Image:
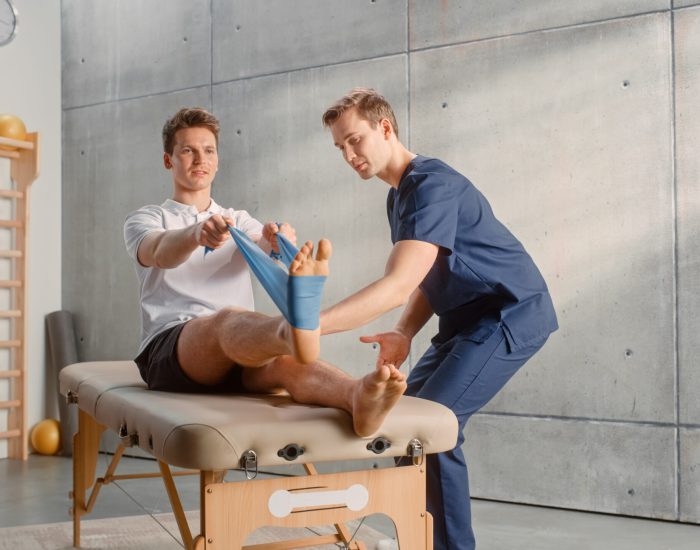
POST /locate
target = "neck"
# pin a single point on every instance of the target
(396, 166)
(199, 199)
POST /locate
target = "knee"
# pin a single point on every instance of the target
(225, 317)
(228, 312)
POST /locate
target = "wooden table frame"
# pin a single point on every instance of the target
(397, 492)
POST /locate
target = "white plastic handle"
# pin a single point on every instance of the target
(281, 503)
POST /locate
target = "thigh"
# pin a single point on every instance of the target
(161, 369)
(472, 373)
(199, 353)
(425, 368)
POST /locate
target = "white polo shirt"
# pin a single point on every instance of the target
(197, 287)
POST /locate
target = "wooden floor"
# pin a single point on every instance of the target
(157, 532)
(39, 496)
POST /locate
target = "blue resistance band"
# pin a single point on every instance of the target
(297, 298)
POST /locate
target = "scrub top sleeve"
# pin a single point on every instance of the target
(428, 211)
(140, 223)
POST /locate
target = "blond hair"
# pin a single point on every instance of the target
(369, 104)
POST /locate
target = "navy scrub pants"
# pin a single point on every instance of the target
(463, 375)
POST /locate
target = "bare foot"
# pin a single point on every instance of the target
(374, 396)
(306, 344)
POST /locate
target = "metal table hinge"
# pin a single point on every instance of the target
(415, 451)
(249, 463)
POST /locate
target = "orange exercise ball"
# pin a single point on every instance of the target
(46, 437)
(12, 127)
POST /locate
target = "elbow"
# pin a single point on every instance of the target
(163, 263)
(401, 297)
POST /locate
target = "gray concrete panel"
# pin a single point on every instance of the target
(687, 77)
(115, 50)
(608, 467)
(683, 3)
(435, 24)
(256, 38)
(279, 163)
(690, 475)
(568, 135)
(112, 164)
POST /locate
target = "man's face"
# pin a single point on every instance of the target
(364, 148)
(194, 160)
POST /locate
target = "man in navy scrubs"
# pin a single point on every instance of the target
(451, 258)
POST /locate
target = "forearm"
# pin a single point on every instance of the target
(364, 306)
(170, 248)
(416, 314)
(407, 266)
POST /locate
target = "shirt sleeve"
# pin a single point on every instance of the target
(248, 224)
(140, 223)
(428, 211)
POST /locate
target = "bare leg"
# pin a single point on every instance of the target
(306, 343)
(208, 347)
(368, 399)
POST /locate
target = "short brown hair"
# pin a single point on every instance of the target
(188, 117)
(370, 105)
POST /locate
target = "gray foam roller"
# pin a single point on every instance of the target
(63, 351)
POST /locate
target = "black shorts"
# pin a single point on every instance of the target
(161, 370)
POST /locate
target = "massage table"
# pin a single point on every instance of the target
(210, 434)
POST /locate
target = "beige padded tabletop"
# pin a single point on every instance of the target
(211, 432)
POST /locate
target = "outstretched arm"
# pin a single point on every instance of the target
(407, 266)
(395, 345)
(170, 248)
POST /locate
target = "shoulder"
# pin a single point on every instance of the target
(149, 211)
(431, 179)
(145, 220)
(140, 223)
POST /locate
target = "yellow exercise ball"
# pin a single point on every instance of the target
(46, 437)
(12, 127)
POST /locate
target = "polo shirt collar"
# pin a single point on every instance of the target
(179, 208)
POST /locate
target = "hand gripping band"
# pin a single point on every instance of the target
(297, 298)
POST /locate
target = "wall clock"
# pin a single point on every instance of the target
(8, 22)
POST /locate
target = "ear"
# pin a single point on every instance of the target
(387, 128)
(166, 161)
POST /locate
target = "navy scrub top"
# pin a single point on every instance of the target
(482, 278)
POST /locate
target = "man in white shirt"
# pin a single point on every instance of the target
(199, 330)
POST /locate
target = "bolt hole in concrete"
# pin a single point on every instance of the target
(184, 39)
(628, 353)
(444, 105)
(238, 27)
(631, 492)
(625, 83)
(82, 60)
(238, 132)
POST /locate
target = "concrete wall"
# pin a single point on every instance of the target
(30, 88)
(577, 121)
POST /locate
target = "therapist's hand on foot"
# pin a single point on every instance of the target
(270, 230)
(213, 233)
(394, 347)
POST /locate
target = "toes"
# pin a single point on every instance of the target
(325, 249)
(297, 261)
